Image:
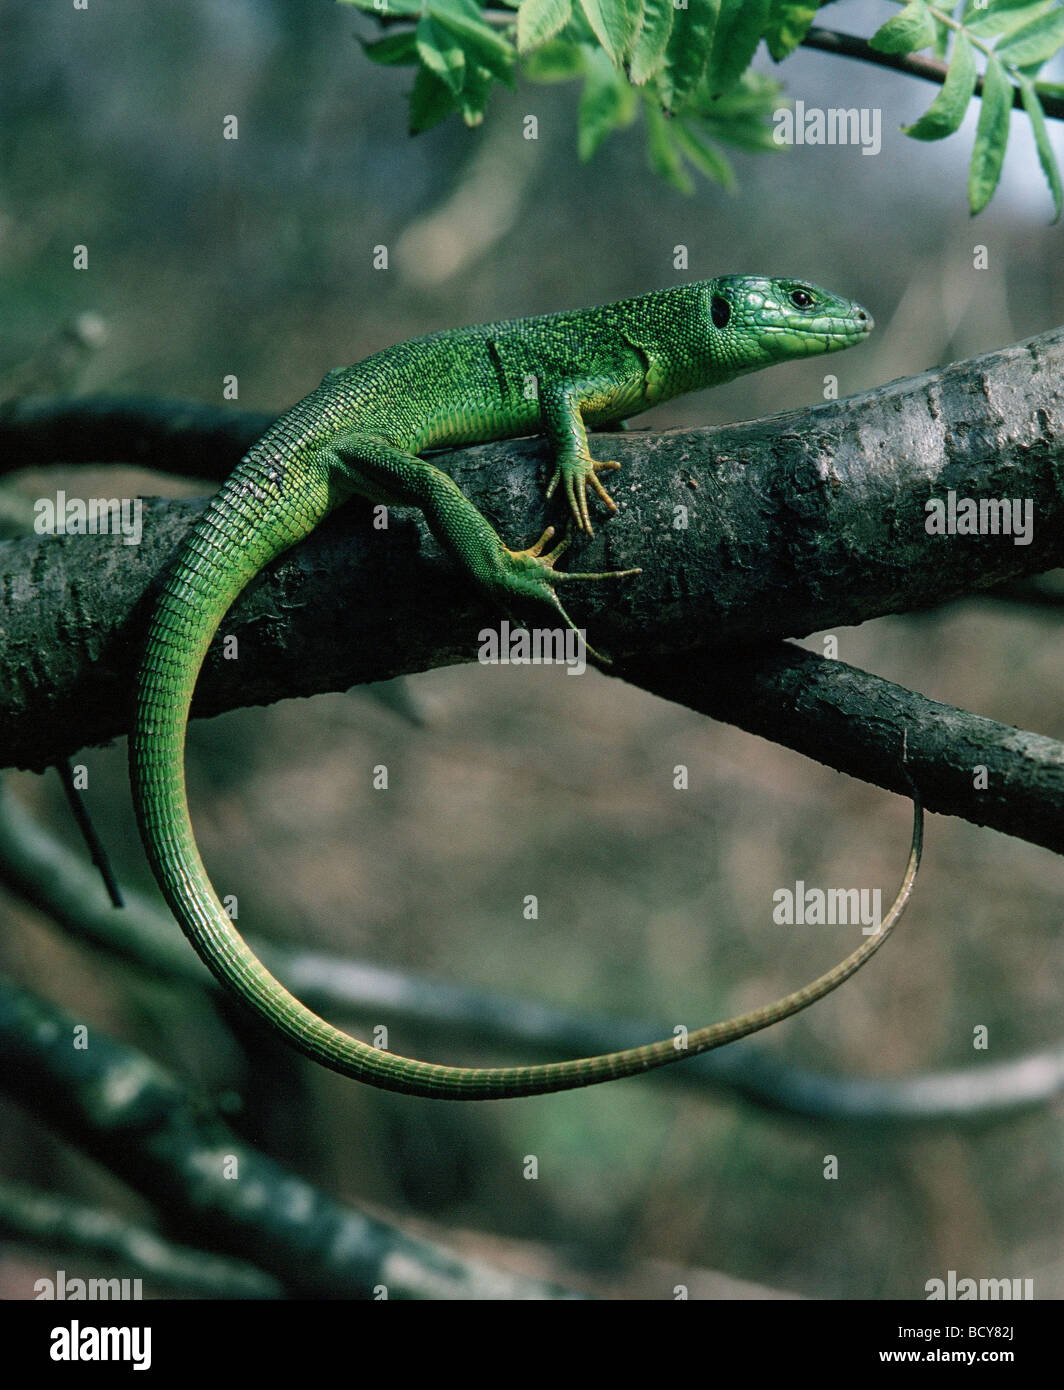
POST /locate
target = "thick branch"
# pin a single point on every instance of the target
(133, 1115)
(879, 732)
(169, 436)
(797, 522)
(53, 1222)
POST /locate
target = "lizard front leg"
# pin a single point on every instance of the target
(562, 409)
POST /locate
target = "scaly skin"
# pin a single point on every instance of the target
(360, 432)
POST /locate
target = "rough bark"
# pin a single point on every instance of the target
(797, 522)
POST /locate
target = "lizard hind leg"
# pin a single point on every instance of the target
(377, 468)
(535, 554)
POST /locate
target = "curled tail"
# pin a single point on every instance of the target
(252, 520)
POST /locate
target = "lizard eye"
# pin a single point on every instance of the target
(720, 311)
(801, 299)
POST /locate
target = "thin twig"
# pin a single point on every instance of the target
(930, 69)
(94, 844)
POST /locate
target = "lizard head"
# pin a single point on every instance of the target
(755, 321)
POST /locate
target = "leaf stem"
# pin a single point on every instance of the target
(930, 69)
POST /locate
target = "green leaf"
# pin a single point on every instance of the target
(615, 24)
(460, 9)
(946, 112)
(1035, 42)
(704, 156)
(941, 44)
(1003, 16)
(1046, 157)
(735, 39)
(687, 52)
(474, 95)
(788, 24)
(648, 51)
(540, 20)
(383, 7)
(394, 49)
(744, 116)
(441, 52)
(906, 32)
(431, 101)
(665, 159)
(479, 43)
(991, 136)
(606, 103)
(557, 61)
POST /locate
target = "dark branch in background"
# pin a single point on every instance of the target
(50, 1222)
(62, 885)
(862, 724)
(133, 1116)
(931, 69)
(1040, 591)
(167, 436)
(798, 522)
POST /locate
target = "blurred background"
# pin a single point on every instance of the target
(254, 257)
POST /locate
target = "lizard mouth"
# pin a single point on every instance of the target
(806, 337)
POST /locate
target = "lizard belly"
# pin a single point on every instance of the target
(476, 423)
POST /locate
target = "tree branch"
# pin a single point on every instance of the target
(134, 1116)
(879, 732)
(52, 1222)
(168, 436)
(65, 887)
(798, 522)
(930, 69)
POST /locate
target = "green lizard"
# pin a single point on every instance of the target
(360, 433)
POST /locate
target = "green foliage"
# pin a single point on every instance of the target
(686, 53)
(540, 20)
(607, 102)
(946, 112)
(1046, 157)
(652, 40)
(788, 23)
(1027, 35)
(906, 32)
(685, 65)
(740, 26)
(615, 24)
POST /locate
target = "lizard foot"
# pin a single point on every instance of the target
(576, 472)
(531, 574)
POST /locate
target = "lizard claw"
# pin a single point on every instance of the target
(530, 574)
(577, 473)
